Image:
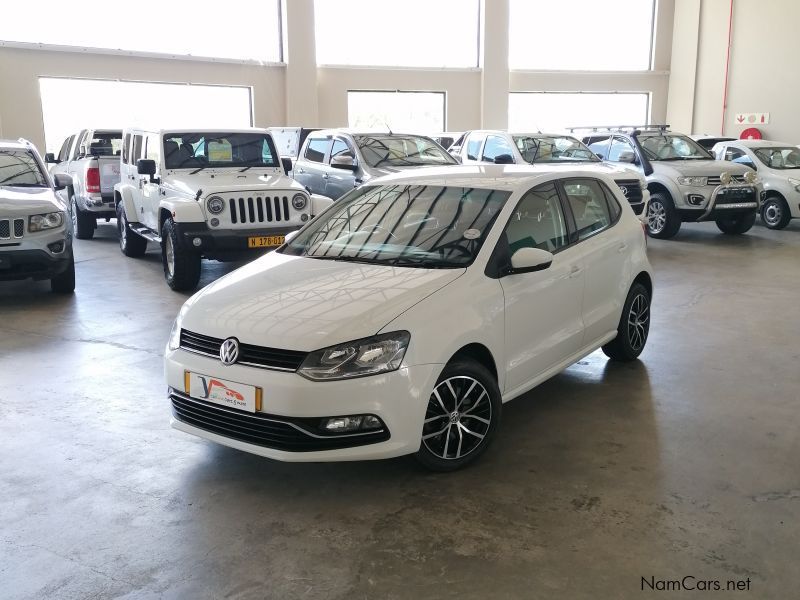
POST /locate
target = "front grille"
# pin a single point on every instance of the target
(259, 209)
(736, 195)
(715, 180)
(270, 431)
(6, 226)
(633, 192)
(250, 355)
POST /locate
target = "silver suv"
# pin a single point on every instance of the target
(35, 228)
(332, 162)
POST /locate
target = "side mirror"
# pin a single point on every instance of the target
(290, 236)
(82, 151)
(504, 159)
(61, 181)
(528, 260)
(344, 162)
(50, 159)
(627, 156)
(146, 166)
(287, 165)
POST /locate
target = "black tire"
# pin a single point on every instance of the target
(634, 326)
(130, 243)
(64, 283)
(83, 223)
(451, 422)
(181, 265)
(775, 213)
(736, 225)
(663, 221)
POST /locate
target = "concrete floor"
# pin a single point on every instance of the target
(685, 463)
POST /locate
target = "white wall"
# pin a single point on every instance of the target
(762, 76)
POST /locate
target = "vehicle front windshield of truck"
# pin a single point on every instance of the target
(200, 150)
(537, 149)
(420, 226)
(18, 168)
(672, 147)
(401, 151)
(779, 157)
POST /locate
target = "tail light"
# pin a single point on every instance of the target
(93, 180)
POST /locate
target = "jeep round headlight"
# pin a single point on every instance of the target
(46, 221)
(215, 205)
(299, 201)
(750, 177)
(725, 178)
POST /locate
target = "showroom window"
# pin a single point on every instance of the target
(613, 35)
(172, 28)
(402, 112)
(65, 108)
(555, 111)
(414, 33)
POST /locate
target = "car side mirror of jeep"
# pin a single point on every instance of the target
(146, 166)
(286, 162)
(51, 159)
(528, 260)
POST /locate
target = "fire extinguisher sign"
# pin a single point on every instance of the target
(749, 119)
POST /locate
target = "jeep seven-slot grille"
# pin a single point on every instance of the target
(259, 209)
(6, 226)
(253, 356)
(715, 180)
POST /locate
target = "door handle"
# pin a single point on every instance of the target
(622, 248)
(324, 175)
(575, 271)
(300, 171)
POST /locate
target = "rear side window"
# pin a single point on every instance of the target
(473, 147)
(316, 149)
(589, 206)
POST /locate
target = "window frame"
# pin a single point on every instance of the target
(126, 140)
(574, 232)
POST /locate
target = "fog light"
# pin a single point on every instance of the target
(343, 424)
(304, 217)
(197, 242)
(725, 178)
(214, 222)
(371, 422)
(696, 199)
(56, 247)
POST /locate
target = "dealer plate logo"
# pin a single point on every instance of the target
(229, 351)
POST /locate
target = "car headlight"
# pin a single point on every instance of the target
(367, 356)
(175, 335)
(693, 181)
(299, 201)
(46, 221)
(215, 205)
(751, 177)
(795, 183)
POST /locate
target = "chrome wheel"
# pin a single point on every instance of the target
(772, 214)
(638, 322)
(122, 225)
(74, 215)
(169, 251)
(656, 216)
(458, 418)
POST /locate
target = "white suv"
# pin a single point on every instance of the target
(401, 319)
(219, 194)
(35, 228)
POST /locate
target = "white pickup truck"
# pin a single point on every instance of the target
(91, 158)
(217, 194)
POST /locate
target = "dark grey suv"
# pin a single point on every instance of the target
(334, 161)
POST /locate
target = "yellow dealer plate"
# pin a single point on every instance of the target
(265, 241)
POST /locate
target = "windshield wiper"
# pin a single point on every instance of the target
(199, 169)
(245, 169)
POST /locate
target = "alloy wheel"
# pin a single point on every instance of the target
(122, 225)
(74, 215)
(169, 250)
(458, 418)
(656, 216)
(638, 322)
(773, 213)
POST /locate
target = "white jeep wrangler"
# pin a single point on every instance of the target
(218, 194)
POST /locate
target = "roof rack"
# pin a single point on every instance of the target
(594, 128)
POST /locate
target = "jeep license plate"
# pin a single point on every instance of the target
(265, 241)
(221, 391)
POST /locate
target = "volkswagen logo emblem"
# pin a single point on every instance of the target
(229, 351)
(624, 190)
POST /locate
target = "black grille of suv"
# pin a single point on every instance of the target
(259, 209)
(713, 180)
(254, 356)
(633, 192)
(6, 226)
(290, 434)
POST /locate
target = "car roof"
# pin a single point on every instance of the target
(760, 143)
(200, 130)
(488, 176)
(356, 132)
(15, 145)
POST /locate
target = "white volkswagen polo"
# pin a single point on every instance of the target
(402, 318)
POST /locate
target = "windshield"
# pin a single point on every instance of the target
(779, 157)
(551, 148)
(672, 147)
(215, 149)
(428, 226)
(19, 168)
(401, 151)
